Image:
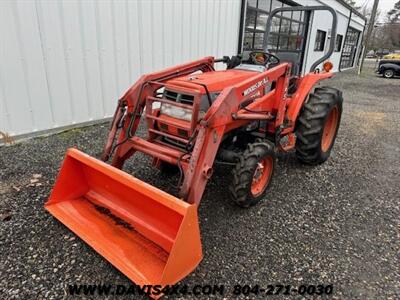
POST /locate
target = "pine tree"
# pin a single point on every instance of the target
(394, 14)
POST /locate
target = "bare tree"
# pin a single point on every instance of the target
(385, 35)
(393, 25)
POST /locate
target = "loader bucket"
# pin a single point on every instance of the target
(149, 235)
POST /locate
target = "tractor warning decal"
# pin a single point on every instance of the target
(255, 86)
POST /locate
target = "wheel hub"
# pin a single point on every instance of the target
(258, 172)
(261, 177)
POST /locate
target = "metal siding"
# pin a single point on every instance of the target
(55, 60)
(12, 72)
(67, 62)
(89, 46)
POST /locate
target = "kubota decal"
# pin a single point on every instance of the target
(251, 89)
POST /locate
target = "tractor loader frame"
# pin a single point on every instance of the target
(151, 236)
(222, 117)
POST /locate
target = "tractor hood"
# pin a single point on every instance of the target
(215, 81)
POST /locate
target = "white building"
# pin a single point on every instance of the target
(65, 63)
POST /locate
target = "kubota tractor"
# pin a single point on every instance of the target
(196, 118)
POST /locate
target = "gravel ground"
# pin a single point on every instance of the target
(336, 223)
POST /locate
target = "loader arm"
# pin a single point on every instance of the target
(225, 115)
(222, 117)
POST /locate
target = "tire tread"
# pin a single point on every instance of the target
(311, 124)
(243, 173)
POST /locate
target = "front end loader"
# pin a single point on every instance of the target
(196, 118)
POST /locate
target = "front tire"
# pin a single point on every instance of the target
(318, 125)
(252, 174)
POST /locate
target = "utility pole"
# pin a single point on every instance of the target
(368, 36)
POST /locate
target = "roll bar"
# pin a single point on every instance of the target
(306, 8)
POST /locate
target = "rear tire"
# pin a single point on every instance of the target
(252, 174)
(318, 125)
(389, 73)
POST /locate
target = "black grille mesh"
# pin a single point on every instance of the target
(179, 98)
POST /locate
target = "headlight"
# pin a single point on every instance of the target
(176, 112)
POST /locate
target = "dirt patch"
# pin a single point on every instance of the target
(4, 188)
(371, 122)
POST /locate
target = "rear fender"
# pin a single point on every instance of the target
(306, 84)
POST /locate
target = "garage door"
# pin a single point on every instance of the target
(349, 48)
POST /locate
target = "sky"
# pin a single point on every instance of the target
(384, 6)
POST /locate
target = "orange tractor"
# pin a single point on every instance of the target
(196, 118)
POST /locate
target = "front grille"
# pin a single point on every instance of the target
(183, 133)
(171, 95)
(179, 98)
(163, 126)
(174, 142)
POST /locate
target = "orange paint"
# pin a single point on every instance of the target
(149, 235)
(262, 176)
(330, 128)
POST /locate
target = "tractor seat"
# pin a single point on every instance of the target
(291, 58)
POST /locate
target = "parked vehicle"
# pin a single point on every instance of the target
(382, 52)
(371, 54)
(389, 68)
(392, 56)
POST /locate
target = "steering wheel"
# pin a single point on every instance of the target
(263, 58)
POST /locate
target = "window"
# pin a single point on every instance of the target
(286, 29)
(320, 40)
(264, 5)
(287, 32)
(252, 3)
(349, 48)
(338, 43)
(276, 4)
(258, 40)
(261, 21)
(251, 18)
